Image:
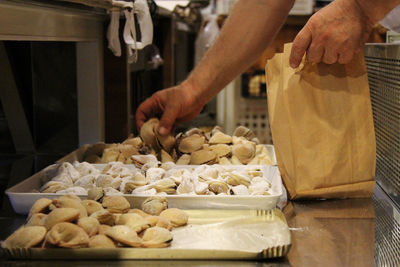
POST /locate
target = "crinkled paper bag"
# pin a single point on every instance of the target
(322, 127)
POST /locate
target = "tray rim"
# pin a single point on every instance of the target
(135, 254)
(21, 194)
(43, 171)
(157, 253)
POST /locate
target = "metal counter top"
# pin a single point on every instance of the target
(352, 232)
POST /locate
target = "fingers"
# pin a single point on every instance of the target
(300, 46)
(175, 104)
(345, 57)
(145, 111)
(330, 56)
(315, 53)
(168, 120)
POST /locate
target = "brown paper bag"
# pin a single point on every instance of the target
(322, 127)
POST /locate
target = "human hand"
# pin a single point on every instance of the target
(175, 105)
(333, 34)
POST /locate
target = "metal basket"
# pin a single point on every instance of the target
(383, 65)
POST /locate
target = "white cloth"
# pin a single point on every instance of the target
(141, 9)
(112, 32)
(392, 20)
(130, 36)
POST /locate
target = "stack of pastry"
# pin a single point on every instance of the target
(149, 177)
(68, 222)
(194, 147)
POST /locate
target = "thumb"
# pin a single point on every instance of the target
(299, 47)
(167, 120)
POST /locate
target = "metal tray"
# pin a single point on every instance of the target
(22, 196)
(263, 234)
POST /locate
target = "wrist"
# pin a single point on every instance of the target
(372, 11)
(193, 93)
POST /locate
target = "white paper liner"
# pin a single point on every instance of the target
(238, 234)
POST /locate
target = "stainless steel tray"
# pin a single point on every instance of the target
(22, 196)
(266, 235)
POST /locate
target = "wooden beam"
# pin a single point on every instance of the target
(116, 95)
(90, 89)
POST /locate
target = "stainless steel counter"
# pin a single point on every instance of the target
(353, 232)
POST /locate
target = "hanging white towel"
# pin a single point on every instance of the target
(113, 32)
(138, 7)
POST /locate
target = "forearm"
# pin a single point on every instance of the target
(249, 29)
(376, 10)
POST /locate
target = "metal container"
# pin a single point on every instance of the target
(210, 234)
(23, 195)
(383, 65)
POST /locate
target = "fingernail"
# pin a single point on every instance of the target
(162, 130)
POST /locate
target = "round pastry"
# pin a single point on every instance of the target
(26, 237)
(91, 206)
(116, 204)
(176, 216)
(40, 206)
(90, 225)
(37, 219)
(156, 237)
(61, 215)
(101, 241)
(124, 235)
(154, 205)
(67, 235)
